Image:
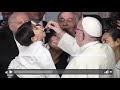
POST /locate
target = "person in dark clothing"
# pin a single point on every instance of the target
(8, 50)
(37, 18)
(4, 22)
(59, 56)
(8, 47)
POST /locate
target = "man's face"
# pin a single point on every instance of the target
(79, 32)
(18, 21)
(53, 42)
(67, 22)
(36, 16)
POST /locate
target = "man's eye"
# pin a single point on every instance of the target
(61, 20)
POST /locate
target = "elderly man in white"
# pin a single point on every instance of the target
(92, 54)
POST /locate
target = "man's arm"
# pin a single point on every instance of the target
(67, 43)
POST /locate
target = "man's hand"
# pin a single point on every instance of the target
(55, 26)
(118, 23)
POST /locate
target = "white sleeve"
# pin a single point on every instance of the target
(68, 44)
(41, 61)
(45, 61)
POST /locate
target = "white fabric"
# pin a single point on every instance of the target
(93, 55)
(68, 44)
(36, 56)
(117, 70)
(40, 23)
(92, 26)
(17, 43)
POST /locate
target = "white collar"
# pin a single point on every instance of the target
(37, 43)
(88, 45)
(41, 22)
(18, 44)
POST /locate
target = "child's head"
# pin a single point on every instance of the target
(29, 33)
(112, 37)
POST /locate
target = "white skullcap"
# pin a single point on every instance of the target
(92, 26)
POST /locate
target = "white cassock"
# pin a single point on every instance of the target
(68, 44)
(93, 55)
(117, 70)
(36, 56)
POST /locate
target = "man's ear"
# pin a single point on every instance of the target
(81, 35)
(11, 27)
(117, 42)
(34, 39)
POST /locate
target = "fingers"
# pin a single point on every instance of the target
(118, 22)
(52, 25)
(118, 27)
(55, 26)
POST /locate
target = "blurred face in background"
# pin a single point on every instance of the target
(36, 16)
(67, 22)
(53, 42)
(16, 20)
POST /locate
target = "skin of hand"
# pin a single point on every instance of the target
(118, 23)
(55, 26)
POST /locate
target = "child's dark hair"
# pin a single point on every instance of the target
(24, 34)
(114, 33)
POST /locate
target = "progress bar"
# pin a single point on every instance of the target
(60, 71)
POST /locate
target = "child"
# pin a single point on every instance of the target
(32, 53)
(112, 38)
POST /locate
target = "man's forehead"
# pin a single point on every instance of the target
(79, 25)
(21, 17)
(67, 14)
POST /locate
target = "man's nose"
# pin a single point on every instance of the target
(65, 23)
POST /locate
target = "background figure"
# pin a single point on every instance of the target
(112, 38)
(4, 22)
(58, 55)
(8, 47)
(114, 20)
(37, 18)
(4, 29)
(68, 21)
